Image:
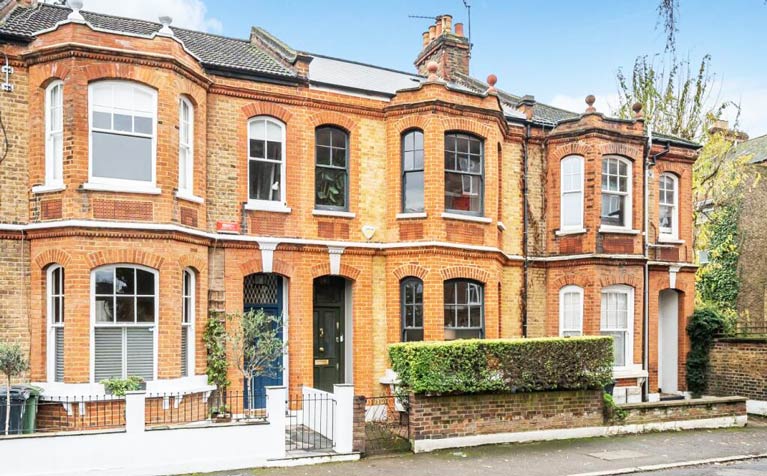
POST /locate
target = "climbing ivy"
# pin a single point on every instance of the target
(717, 282)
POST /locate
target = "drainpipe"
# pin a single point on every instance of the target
(525, 228)
(646, 271)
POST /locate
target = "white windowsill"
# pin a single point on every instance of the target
(49, 188)
(670, 240)
(577, 231)
(618, 230)
(460, 216)
(333, 213)
(410, 216)
(99, 187)
(189, 197)
(635, 371)
(182, 385)
(267, 206)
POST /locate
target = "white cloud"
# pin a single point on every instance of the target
(190, 14)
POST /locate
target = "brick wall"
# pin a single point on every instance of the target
(739, 367)
(682, 410)
(467, 415)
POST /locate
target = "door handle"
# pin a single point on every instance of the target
(322, 349)
(322, 332)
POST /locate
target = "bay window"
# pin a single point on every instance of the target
(571, 311)
(411, 300)
(412, 172)
(125, 307)
(464, 309)
(187, 323)
(186, 148)
(616, 192)
(571, 187)
(617, 316)
(123, 117)
(464, 174)
(55, 308)
(668, 200)
(54, 142)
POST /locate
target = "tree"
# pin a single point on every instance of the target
(215, 344)
(13, 363)
(668, 14)
(256, 346)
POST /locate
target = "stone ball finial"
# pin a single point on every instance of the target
(491, 80)
(590, 100)
(637, 108)
(432, 67)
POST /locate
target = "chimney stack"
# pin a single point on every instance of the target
(450, 50)
(723, 127)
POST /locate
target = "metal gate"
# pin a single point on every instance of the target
(311, 422)
(387, 424)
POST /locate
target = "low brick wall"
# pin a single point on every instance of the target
(438, 417)
(739, 367)
(683, 410)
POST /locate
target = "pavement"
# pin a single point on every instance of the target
(631, 454)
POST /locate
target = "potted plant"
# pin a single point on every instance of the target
(120, 386)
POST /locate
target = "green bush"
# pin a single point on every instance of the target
(518, 365)
(120, 386)
(706, 323)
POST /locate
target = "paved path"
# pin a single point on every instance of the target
(751, 468)
(557, 458)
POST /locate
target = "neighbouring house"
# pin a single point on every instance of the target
(152, 174)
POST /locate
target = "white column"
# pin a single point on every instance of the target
(135, 408)
(344, 414)
(276, 401)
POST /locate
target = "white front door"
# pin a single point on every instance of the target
(668, 341)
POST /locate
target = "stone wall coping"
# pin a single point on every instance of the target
(744, 340)
(681, 403)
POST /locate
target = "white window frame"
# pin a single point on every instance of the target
(628, 291)
(570, 289)
(54, 155)
(153, 326)
(269, 205)
(673, 233)
(563, 192)
(188, 159)
(188, 322)
(122, 185)
(629, 214)
(50, 293)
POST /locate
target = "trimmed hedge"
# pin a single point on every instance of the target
(503, 365)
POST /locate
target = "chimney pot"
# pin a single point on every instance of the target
(438, 26)
(459, 29)
(432, 32)
(447, 23)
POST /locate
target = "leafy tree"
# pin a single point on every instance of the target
(255, 345)
(13, 363)
(718, 282)
(215, 345)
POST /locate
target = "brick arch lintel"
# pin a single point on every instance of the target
(462, 124)
(571, 148)
(412, 122)
(56, 71)
(261, 108)
(346, 271)
(122, 71)
(193, 261)
(468, 272)
(572, 279)
(410, 269)
(626, 150)
(281, 267)
(332, 118)
(608, 280)
(128, 256)
(52, 256)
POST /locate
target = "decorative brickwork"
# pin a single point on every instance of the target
(50, 209)
(122, 210)
(189, 217)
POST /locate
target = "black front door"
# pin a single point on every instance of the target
(328, 332)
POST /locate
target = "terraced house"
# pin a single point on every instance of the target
(150, 174)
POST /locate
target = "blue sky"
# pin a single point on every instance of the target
(557, 50)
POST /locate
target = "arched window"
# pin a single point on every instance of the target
(571, 311)
(55, 307)
(464, 173)
(617, 321)
(123, 117)
(571, 188)
(125, 307)
(464, 309)
(616, 192)
(185, 148)
(331, 179)
(412, 172)
(187, 323)
(54, 129)
(411, 301)
(668, 201)
(266, 163)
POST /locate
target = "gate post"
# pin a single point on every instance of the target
(344, 416)
(276, 400)
(135, 411)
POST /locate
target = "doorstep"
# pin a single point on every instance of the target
(301, 458)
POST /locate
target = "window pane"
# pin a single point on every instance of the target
(125, 309)
(264, 180)
(108, 353)
(418, 159)
(413, 184)
(144, 282)
(418, 321)
(104, 281)
(462, 316)
(449, 316)
(666, 214)
(274, 150)
(122, 157)
(124, 281)
(123, 123)
(619, 347)
(102, 120)
(323, 136)
(273, 132)
(104, 309)
(450, 292)
(461, 292)
(407, 160)
(571, 209)
(338, 137)
(413, 335)
(323, 156)
(330, 187)
(613, 209)
(257, 148)
(475, 316)
(339, 157)
(145, 309)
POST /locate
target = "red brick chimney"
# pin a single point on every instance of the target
(448, 48)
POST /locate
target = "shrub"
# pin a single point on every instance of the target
(705, 325)
(120, 386)
(518, 365)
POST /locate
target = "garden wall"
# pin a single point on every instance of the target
(710, 408)
(738, 366)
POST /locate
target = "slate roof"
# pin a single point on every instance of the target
(211, 50)
(755, 148)
(325, 70)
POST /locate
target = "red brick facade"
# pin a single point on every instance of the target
(81, 229)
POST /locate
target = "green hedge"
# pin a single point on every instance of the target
(506, 365)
